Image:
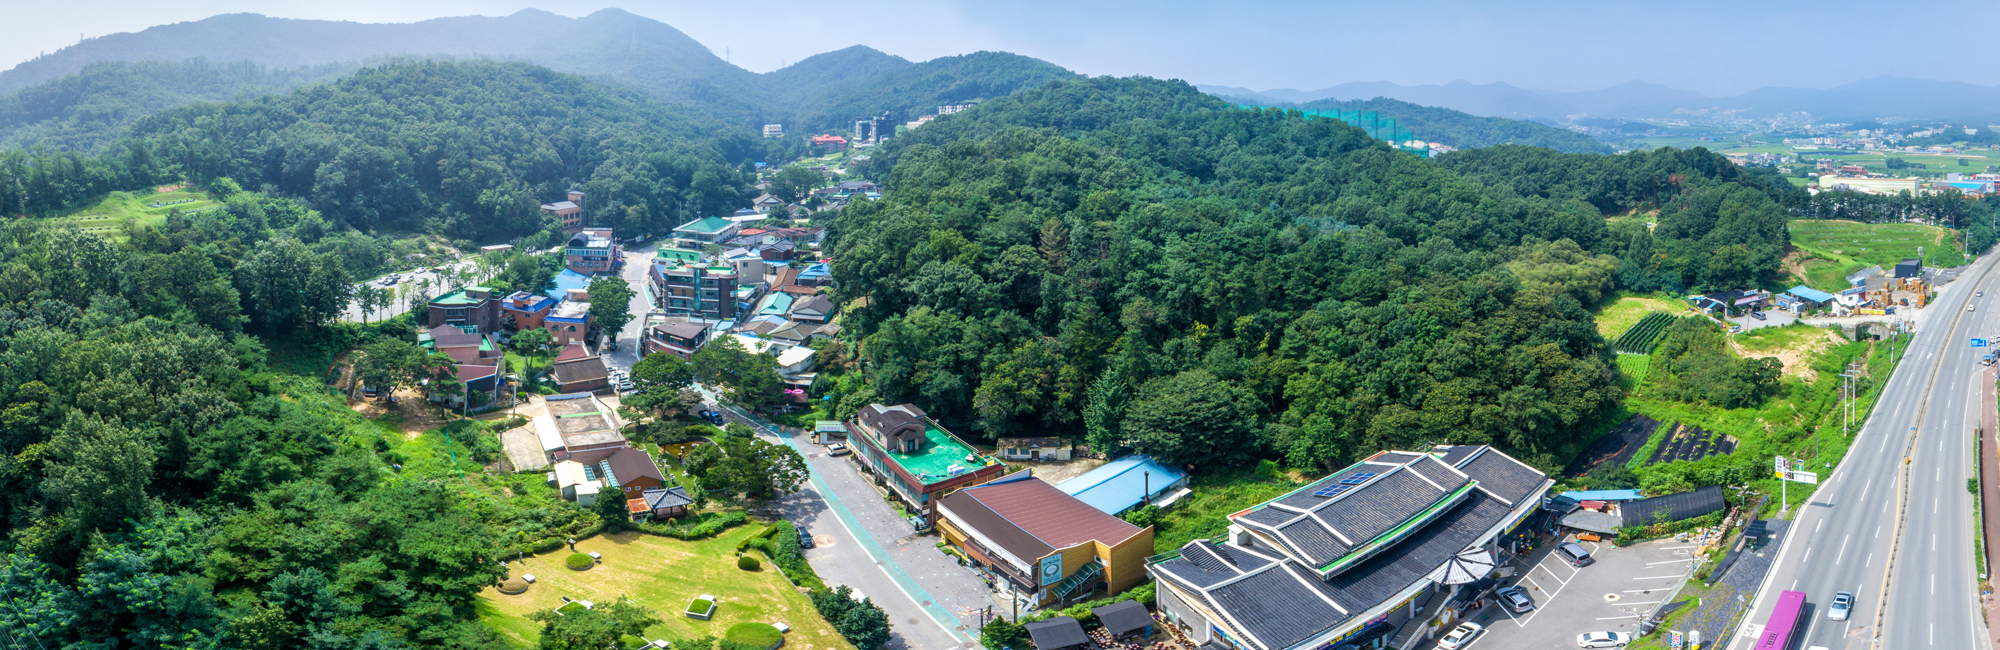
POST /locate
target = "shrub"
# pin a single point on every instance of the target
(747, 563)
(756, 635)
(578, 561)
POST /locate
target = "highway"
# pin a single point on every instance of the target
(1842, 539)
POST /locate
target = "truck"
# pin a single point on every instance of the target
(1987, 360)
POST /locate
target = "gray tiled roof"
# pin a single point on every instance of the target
(1311, 540)
(1503, 475)
(1391, 501)
(1200, 567)
(1458, 453)
(1271, 516)
(1306, 500)
(1439, 473)
(1402, 565)
(1277, 607)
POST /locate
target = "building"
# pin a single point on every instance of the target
(792, 359)
(576, 370)
(829, 142)
(1044, 542)
(1128, 483)
(1032, 448)
(496, 248)
(593, 251)
(774, 130)
(1609, 516)
(678, 339)
(828, 431)
(1869, 185)
(1732, 301)
(1356, 559)
(707, 231)
(665, 503)
(568, 323)
(472, 307)
(1909, 268)
(464, 348)
(577, 427)
(948, 109)
(631, 472)
(694, 290)
(748, 264)
(528, 310)
(569, 212)
(916, 457)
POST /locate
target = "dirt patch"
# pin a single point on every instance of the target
(1055, 472)
(1616, 448)
(1690, 443)
(523, 450)
(1796, 358)
(415, 415)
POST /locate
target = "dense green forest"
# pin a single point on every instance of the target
(1141, 263)
(1458, 128)
(88, 109)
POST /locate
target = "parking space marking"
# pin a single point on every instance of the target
(1613, 618)
(1676, 548)
(1669, 562)
(1654, 577)
(1545, 569)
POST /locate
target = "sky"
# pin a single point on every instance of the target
(1709, 46)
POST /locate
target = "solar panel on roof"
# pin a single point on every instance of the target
(1357, 479)
(1332, 490)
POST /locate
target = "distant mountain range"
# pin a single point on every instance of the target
(1868, 99)
(65, 94)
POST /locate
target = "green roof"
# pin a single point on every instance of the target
(706, 226)
(459, 298)
(777, 303)
(677, 254)
(933, 460)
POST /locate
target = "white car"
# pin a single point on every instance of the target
(1603, 640)
(1842, 606)
(1459, 637)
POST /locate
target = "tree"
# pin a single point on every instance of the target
(528, 343)
(288, 286)
(610, 506)
(1002, 634)
(1193, 417)
(610, 305)
(98, 472)
(595, 628)
(794, 184)
(1105, 411)
(661, 379)
(862, 622)
(748, 465)
(748, 379)
(443, 373)
(390, 364)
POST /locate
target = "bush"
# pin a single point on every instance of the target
(747, 563)
(578, 561)
(756, 635)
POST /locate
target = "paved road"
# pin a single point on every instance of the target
(399, 303)
(1841, 540)
(634, 272)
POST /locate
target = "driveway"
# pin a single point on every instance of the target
(1772, 318)
(636, 261)
(1614, 594)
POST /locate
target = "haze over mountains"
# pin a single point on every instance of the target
(1876, 98)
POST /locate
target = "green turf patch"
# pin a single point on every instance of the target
(755, 635)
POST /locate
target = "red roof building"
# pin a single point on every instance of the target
(1045, 541)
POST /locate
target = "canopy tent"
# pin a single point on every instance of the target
(1057, 634)
(1466, 567)
(1123, 618)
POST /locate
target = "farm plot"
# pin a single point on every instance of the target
(1856, 244)
(1691, 443)
(1642, 336)
(1615, 448)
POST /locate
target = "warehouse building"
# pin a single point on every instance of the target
(1046, 543)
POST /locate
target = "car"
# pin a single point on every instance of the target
(1459, 636)
(713, 418)
(1969, 307)
(613, 346)
(1735, 328)
(805, 539)
(1757, 315)
(1574, 554)
(1603, 640)
(836, 449)
(1516, 599)
(1841, 607)
(1979, 294)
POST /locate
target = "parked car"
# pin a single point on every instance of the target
(836, 449)
(712, 417)
(1757, 315)
(1516, 599)
(1459, 636)
(1735, 328)
(1842, 606)
(805, 539)
(1603, 640)
(1575, 555)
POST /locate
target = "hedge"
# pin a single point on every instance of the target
(1145, 594)
(755, 635)
(579, 561)
(747, 563)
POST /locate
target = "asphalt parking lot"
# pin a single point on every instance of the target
(1614, 594)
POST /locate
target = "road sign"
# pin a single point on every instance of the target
(1676, 643)
(1979, 343)
(1781, 467)
(1803, 477)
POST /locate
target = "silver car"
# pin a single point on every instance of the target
(1841, 607)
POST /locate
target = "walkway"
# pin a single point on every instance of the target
(1723, 603)
(1989, 495)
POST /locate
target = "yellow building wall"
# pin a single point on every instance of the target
(1124, 563)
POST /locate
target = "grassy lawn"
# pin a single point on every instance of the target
(1203, 514)
(107, 217)
(1613, 319)
(662, 574)
(1858, 245)
(1771, 339)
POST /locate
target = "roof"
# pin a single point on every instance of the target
(560, 205)
(1116, 486)
(1058, 632)
(572, 352)
(1673, 507)
(1810, 293)
(459, 297)
(1351, 514)
(579, 370)
(685, 330)
(657, 498)
(1031, 519)
(829, 426)
(1603, 495)
(1123, 616)
(566, 281)
(776, 303)
(628, 464)
(705, 225)
(818, 304)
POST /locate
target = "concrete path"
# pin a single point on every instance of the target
(1989, 496)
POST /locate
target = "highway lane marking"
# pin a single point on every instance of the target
(1807, 556)
(1822, 524)
(1933, 584)
(1933, 541)
(1843, 550)
(1934, 505)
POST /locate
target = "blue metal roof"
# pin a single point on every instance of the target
(1604, 495)
(1810, 293)
(567, 280)
(1116, 486)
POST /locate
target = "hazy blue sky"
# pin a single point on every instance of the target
(1708, 46)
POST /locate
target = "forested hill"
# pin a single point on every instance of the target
(63, 94)
(1145, 266)
(1465, 130)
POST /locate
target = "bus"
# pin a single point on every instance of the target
(1784, 623)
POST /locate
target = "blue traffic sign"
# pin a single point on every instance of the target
(1979, 343)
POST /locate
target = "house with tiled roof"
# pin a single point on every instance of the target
(576, 370)
(1045, 542)
(679, 339)
(1355, 559)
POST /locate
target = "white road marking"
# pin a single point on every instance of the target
(1807, 556)
(1871, 561)
(1653, 577)
(1933, 584)
(1878, 532)
(1669, 562)
(1613, 618)
(1676, 548)
(1843, 548)
(1822, 524)
(1552, 574)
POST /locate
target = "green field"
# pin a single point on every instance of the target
(1769, 339)
(1843, 247)
(108, 216)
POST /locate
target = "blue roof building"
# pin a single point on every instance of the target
(1811, 294)
(567, 280)
(1123, 484)
(1604, 495)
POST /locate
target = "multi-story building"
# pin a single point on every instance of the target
(568, 323)
(471, 307)
(592, 251)
(679, 339)
(916, 457)
(1358, 559)
(774, 130)
(701, 233)
(570, 212)
(528, 309)
(694, 290)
